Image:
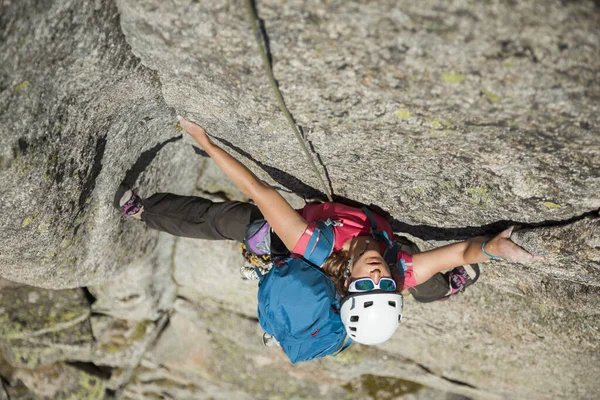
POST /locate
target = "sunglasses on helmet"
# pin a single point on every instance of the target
(367, 284)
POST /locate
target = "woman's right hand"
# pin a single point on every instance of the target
(196, 132)
(502, 246)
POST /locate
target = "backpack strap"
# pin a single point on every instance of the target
(260, 275)
(316, 244)
(377, 234)
(393, 248)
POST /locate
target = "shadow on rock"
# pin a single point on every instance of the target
(140, 166)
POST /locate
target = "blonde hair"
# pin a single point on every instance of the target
(335, 268)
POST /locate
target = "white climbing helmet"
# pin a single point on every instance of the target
(371, 317)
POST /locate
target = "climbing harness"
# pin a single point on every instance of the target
(252, 261)
(260, 40)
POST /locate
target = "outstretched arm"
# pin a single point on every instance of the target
(428, 263)
(284, 220)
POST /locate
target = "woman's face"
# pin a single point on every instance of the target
(370, 265)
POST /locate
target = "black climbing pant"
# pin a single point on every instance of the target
(199, 218)
(431, 290)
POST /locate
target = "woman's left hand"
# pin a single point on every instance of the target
(195, 131)
(502, 246)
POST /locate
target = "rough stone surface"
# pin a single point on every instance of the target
(102, 340)
(450, 115)
(122, 343)
(67, 344)
(3, 394)
(568, 275)
(200, 264)
(119, 377)
(27, 311)
(143, 291)
(567, 244)
(60, 382)
(225, 358)
(455, 119)
(79, 115)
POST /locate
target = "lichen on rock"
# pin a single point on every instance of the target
(59, 381)
(29, 312)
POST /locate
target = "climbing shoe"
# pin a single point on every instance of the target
(130, 203)
(461, 277)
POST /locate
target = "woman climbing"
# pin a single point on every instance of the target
(360, 243)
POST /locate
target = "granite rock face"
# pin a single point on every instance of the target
(454, 119)
(143, 291)
(74, 343)
(30, 312)
(446, 115)
(226, 359)
(80, 115)
(43, 327)
(61, 382)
